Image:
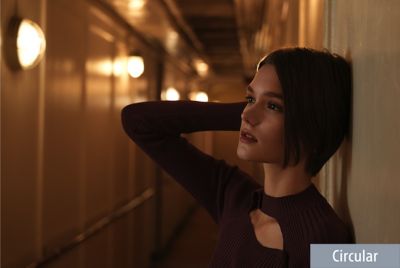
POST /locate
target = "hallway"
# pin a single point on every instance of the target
(77, 191)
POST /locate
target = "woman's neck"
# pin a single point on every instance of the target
(281, 182)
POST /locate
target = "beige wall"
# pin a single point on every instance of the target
(362, 180)
(20, 151)
(66, 161)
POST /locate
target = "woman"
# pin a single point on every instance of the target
(295, 118)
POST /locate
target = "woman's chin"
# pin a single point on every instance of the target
(243, 155)
(248, 155)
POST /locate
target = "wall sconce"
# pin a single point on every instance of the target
(198, 96)
(171, 94)
(25, 44)
(135, 65)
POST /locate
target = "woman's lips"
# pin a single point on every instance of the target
(246, 137)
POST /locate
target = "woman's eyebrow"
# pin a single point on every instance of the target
(267, 93)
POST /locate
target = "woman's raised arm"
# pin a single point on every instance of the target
(155, 126)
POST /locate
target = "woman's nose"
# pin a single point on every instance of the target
(249, 117)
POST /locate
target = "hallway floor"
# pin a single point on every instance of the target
(195, 245)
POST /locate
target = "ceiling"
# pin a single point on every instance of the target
(229, 35)
(215, 26)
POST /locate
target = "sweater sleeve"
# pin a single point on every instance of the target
(155, 126)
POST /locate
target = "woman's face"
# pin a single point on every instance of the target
(263, 118)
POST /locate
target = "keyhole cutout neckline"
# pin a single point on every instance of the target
(266, 230)
(277, 208)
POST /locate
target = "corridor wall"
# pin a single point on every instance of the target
(362, 179)
(66, 162)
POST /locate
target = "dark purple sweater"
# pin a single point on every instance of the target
(225, 191)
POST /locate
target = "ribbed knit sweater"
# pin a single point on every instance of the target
(225, 191)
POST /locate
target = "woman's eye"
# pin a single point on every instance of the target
(274, 107)
(249, 99)
(270, 105)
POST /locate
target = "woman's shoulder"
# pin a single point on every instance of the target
(239, 191)
(326, 224)
(316, 224)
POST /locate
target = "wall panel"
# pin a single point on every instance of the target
(367, 189)
(64, 123)
(98, 134)
(65, 158)
(21, 119)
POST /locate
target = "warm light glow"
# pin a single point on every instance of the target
(198, 96)
(135, 66)
(102, 67)
(171, 94)
(285, 10)
(31, 44)
(118, 67)
(136, 4)
(171, 41)
(105, 67)
(201, 67)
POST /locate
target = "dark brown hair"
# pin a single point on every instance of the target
(317, 96)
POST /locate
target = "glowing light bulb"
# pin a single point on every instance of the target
(135, 66)
(201, 67)
(198, 96)
(31, 44)
(171, 94)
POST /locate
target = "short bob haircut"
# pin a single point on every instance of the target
(317, 92)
